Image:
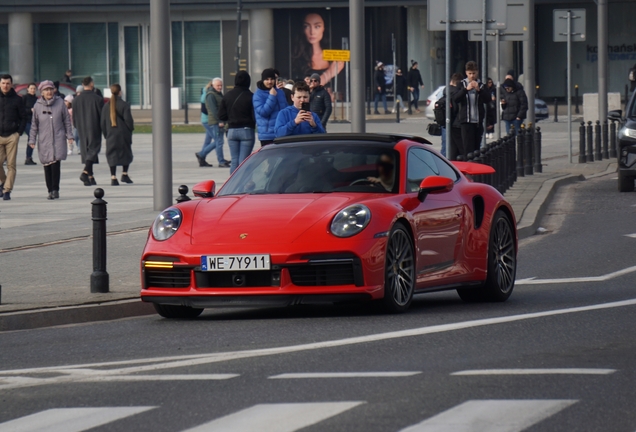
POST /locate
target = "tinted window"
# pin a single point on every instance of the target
(319, 167)
(422, 164)
(445, 170)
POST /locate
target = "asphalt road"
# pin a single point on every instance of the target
(559, 355)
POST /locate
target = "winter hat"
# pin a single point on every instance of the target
(315, 76)
(242, 79)
(268, 73)
(79, 89)
(509, 83)
(69, 98)
(46, 84)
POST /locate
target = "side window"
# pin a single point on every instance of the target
(421, 164)
(445, 170)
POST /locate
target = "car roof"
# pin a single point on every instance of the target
(361, 138)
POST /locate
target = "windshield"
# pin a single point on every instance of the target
(317, 168)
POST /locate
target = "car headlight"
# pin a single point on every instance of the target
(166, 224)
(627, 132)
(350, 220)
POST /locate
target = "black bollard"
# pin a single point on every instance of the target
(597, 141)
(527, 158)
(520, 151)
(576, 98)
(537, 151)
(605, 132)
(530, 129)
(556, 110)
(499, 166)
(99, 277)
(589, 132)
(513, 159)
(477, 159)
(183, 194)
(582, 143)
(613, 140)
(410, 110)
(397, 111)
(368, 101)
(469, 157)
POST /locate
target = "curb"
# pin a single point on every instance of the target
(27, 320)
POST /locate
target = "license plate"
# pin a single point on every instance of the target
(234, 262)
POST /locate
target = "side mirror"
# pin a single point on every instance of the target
(205, 189)
(434, 185)
(615, 115)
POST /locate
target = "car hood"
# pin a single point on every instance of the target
(262, 219)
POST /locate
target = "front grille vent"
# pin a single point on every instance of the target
(168, 278)
(322, 274)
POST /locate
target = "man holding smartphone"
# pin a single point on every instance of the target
(471, 99)
(297, 119)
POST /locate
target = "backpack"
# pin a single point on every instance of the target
(439, 111)
(632, 74)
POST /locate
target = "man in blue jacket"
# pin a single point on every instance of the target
(293, 120)
(268, 101)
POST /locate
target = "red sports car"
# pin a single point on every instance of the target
(330, 218)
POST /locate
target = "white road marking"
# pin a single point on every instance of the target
(630, 235)
(491, 416)
(276, 417)
(344, 375)
(186, 377)
(82, 372)
(535, 281)
(563, 371)
(69, 419)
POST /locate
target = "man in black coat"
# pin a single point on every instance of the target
(319, 100)
(514, 104)
(87, 113)
(12, 124)
(380, 88)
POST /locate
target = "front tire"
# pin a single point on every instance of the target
(502, 264)
(177, 312)
(399, 273)
(625, 184)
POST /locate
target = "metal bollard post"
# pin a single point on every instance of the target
(99, 277)
(538, 167)
(520, 152)
(582, 143)
(397, 111)
(410, 110)
(556, 110)
(499, 163)
(513, 160)
(368, 101)
(576, 98)
(589, 132)
(527, 158)
(477, 159)
(183, 194)
(613, 140)
(597, 141)
(530, 130)
(605, 132)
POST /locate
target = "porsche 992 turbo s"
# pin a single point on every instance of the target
(332, 218)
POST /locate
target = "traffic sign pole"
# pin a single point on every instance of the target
(569, 84)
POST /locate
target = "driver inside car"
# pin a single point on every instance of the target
(386, 172)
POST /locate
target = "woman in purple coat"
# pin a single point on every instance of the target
(51, 129)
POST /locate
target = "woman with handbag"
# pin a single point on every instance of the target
(117, 127)
(51, 129)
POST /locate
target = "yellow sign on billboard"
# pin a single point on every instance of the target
(336, 55)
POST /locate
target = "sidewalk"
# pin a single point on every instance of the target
(46, 248)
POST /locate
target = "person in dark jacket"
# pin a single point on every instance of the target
(87, 117)
(237, 109)
(514, 104)
(51, 130)
(414, 82)
(380, 88)
(12, 125)
(319, 100)
(450, 151)
(400, 90)
(29, 102)
(118, 126)
(471, 99)
(268, 102)
(491, 108)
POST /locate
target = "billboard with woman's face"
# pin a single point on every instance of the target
(301, 36)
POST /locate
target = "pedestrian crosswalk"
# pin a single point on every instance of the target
(473, 415)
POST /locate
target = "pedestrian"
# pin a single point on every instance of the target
(78, 90)
(214, 127)
(414, 83)
(380, 88)
(440, 118)
(12, 125)
(67, 76)
(268, 102)
(514, 105)
(400, 88)
(68, 101)
(282, 84)
(117, 127)
(319, 100)
(87, 116)
(491, 108)
(51, 130)
(237, 109)
(470, 99)
(298, 119)
(632, 79)
(29, 101)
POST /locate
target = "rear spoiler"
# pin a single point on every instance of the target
(473, 168)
